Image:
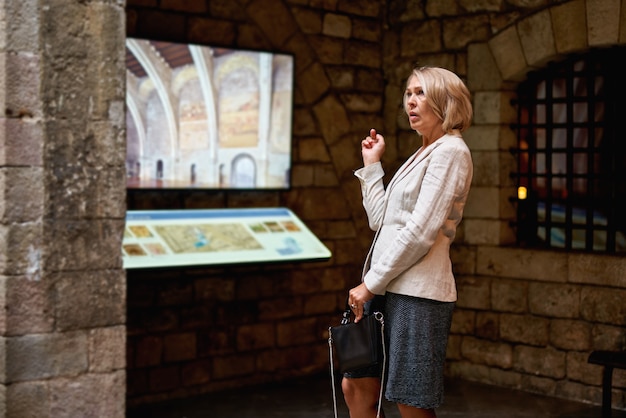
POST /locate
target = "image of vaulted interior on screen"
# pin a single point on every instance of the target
(206, 117)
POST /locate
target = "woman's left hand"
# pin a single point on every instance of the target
(357, 296)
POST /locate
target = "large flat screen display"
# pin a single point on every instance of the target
(205, 117)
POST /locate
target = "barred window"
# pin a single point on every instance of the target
(571, 155)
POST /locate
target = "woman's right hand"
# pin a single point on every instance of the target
(372, 148)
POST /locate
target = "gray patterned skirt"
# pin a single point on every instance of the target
(416, 331)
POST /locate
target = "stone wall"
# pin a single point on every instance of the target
(525, 319)
(62, 149)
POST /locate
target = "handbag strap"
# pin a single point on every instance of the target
(380, 318)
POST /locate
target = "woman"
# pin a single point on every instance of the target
(415, 219)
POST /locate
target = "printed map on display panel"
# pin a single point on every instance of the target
(228, 236)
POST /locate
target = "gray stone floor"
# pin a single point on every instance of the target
(312, 398)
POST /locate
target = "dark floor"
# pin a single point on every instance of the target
(312, 398)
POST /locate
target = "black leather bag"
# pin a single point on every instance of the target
(357, 345)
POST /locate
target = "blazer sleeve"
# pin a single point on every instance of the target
(373, 193)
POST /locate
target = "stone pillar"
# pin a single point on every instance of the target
(62, 208)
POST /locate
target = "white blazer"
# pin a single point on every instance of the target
(416, 218)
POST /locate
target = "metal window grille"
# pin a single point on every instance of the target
(571, 155)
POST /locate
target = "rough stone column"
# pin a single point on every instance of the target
(62, 208)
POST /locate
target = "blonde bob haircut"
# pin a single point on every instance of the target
(447, 95)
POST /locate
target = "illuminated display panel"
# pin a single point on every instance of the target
(166, 238)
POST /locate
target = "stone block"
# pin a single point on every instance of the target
(313, 149)
(493, 108)
(569, 26)
(366, 30)
(473, 292)
(487, 174)
(570, 335)
(459, 32)
(274, 19)
(148, 350)
(490, 353)
(89, 299)
(91, 395)
(566, 389)
(27, 400)
(608, 337)
(325, 176)
(20, 250)
(539, 362)
(362, 102)
(175, 294)
(346, 157)
(597, 269)
(21, 82)
(580, 370)
(21, 143)
(554, 300)
(340, 229)
(509, 295)
(303, 175)
(195, 373)
(309, 21)
(255, 337)
(88, 244)
(603, 24)
(337, 25)
(603, 305)
(525, 329)
(179, 346)
(508, 54)
(22, 194)
(314, 83)
(307, 203)
(225, 367)
(550, 266)
(505, 378)
(213, 288)
(280, 308)
(421, 39)
(296, 332)
(488, 325)
(31, 304)
(463, 321)
(366, 54)
(483, 137)
(480, 231)
(366, 8)
(107, 349)
(483, 73)
(44, 356)
(303, 51)
(537, 38)
(317, 304)
(453, 349)
(211, 31)
(539, 384)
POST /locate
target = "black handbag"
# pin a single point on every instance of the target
(356, 346)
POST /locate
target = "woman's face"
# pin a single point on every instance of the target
(421, 116)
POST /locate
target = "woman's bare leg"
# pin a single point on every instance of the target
(361, 396)
(413, 412)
